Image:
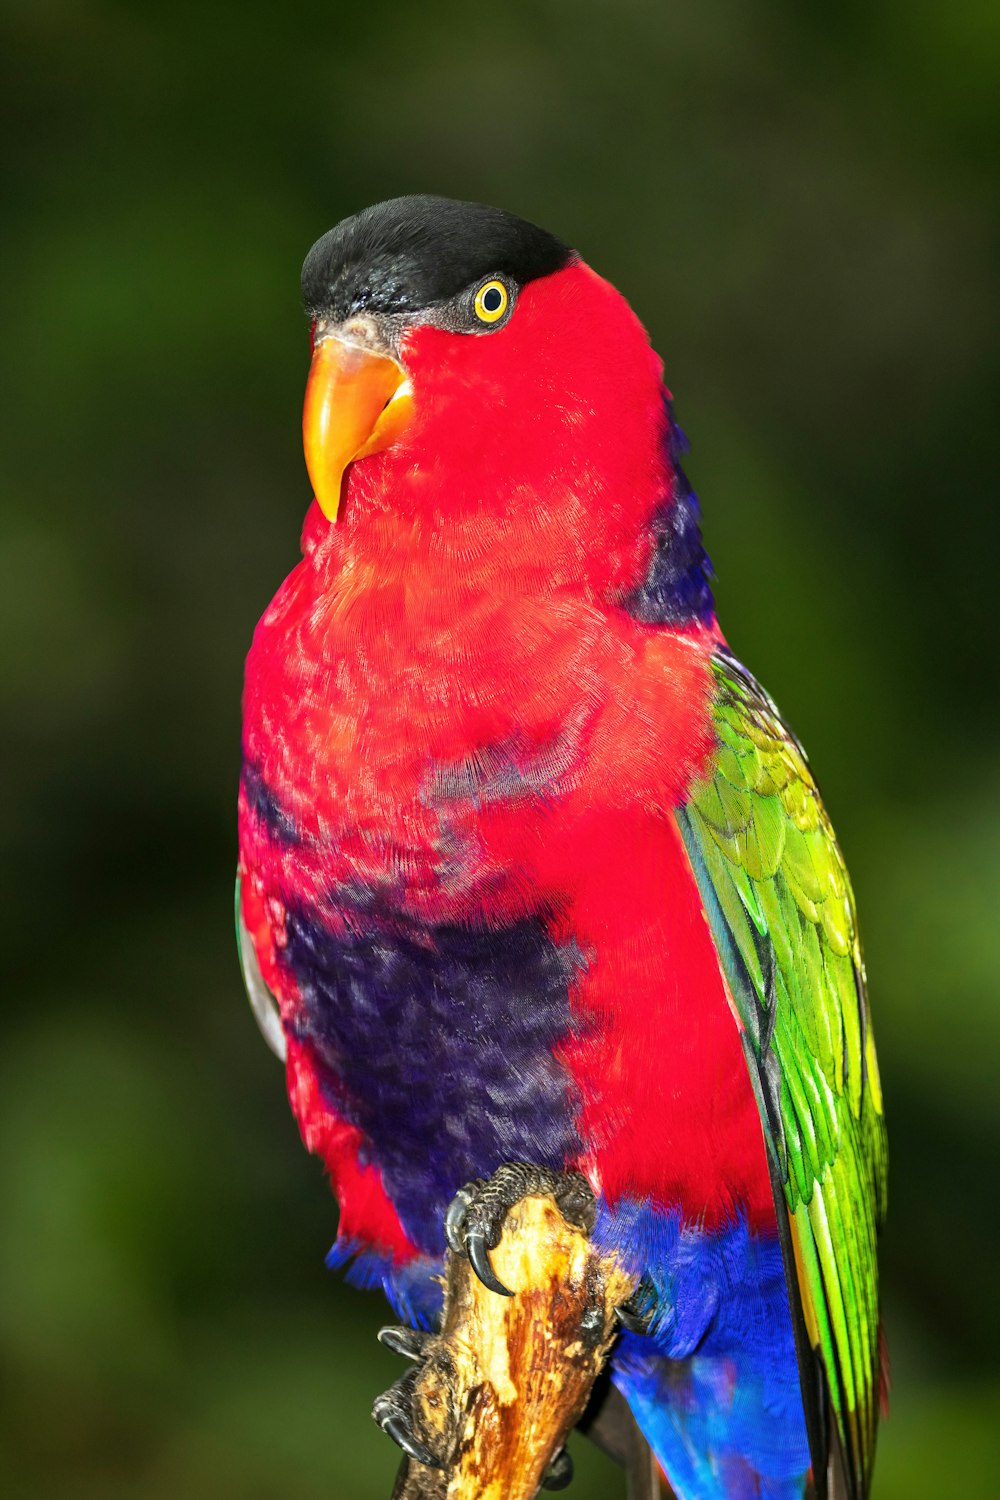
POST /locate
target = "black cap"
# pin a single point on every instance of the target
(412, 253)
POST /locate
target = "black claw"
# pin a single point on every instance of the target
(454, 1219)
(474, 1220)
(409, 1342)
(559, 1472)
(637, 1313)
(396, 1428)
(632, 1321)
(393, 1413)
(479, 1259)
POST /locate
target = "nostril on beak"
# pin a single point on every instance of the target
(360, 330)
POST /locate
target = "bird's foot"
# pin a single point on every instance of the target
(411, 1343)
(636, 1315)
(474, 1221)
(393, 1410)
(559, 1472)
(398, 1411)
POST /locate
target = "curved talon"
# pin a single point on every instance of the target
(409, 1342)
(479, 1259)
(631, 1321)
(637, 1312)
(393, 1411)
(559, 1472)
(455, 1217)
(396, 1428)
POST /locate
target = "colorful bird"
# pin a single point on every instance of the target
(531, 868)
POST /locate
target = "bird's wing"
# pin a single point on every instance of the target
(780, 907)
(262, 1002)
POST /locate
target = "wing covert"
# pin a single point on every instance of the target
(780, 906)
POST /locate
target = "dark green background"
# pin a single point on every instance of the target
(798, 201)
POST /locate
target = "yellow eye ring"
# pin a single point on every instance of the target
(491, 301)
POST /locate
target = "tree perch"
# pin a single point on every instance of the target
(501, 1386)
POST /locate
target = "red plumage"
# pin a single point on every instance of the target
(470, 597)
(480, 717)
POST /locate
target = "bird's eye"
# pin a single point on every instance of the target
(491, 301)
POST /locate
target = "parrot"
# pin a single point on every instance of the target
(534, 878)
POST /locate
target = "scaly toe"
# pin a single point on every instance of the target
(474, 1220)
(393, 1413)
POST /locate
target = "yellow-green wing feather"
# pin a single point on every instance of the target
(781, 909)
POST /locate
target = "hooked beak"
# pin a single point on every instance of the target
(357, 403)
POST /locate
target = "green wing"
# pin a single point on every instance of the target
(780, 907)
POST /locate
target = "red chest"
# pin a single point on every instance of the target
(395, 718)
(471, 760)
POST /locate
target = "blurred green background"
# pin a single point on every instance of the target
(800, 203)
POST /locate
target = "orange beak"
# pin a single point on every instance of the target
(357, 403)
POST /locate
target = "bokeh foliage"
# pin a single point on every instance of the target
(799, 201)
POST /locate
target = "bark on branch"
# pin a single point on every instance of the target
(507, 1378)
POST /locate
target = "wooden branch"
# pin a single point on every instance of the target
(506, 1379)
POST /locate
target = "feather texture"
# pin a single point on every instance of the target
(780, 904)
(498, 770)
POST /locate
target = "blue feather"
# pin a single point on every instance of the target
(714, 1384)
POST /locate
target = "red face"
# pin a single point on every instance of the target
(547, 424)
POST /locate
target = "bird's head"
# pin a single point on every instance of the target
(466, 358)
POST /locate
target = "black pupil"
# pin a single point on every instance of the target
(492, 299)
